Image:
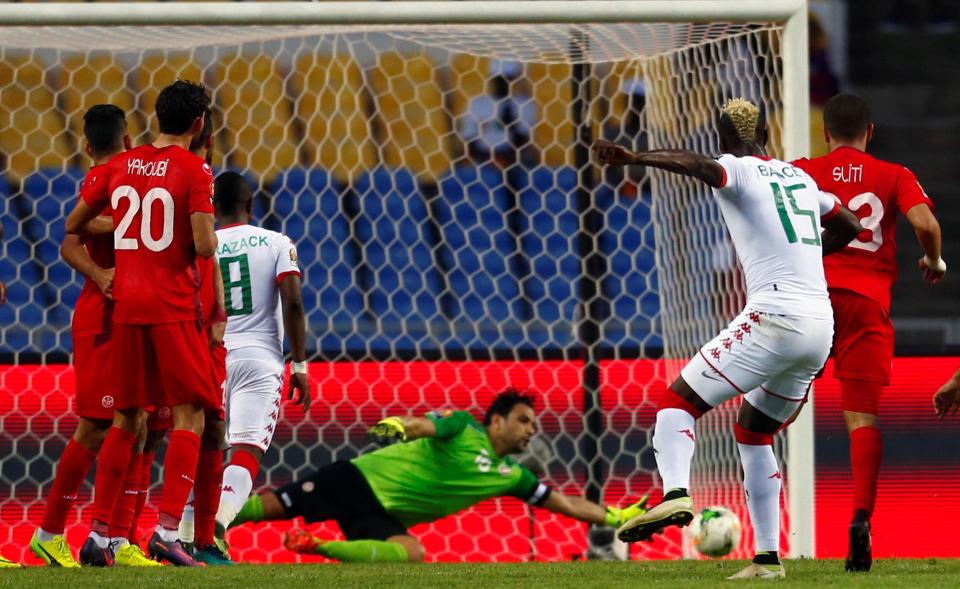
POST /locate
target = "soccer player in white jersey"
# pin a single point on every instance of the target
(771, 352)
(261, 281)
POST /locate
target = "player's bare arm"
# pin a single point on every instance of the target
(219, 327)
(79, 218)
(927, 229)
(295, 326)
(678, 161)
(100, 225)
(839, 230)
(79, 259)
(946, 401)
(204, 237)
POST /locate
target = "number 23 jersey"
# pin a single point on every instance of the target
(153, 192)
(874, 190)
(253, 261)
(773, 211)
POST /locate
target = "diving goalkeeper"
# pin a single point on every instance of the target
(445, 463)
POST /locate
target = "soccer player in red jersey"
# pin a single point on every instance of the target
(160, 195)
(860, 278)
(105, 133)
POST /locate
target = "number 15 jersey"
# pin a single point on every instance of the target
(773, 211)
(153, 192)
(253, 261)
(874, 190)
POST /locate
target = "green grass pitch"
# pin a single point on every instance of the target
(580, 575)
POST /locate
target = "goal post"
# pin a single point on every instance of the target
(435, 273)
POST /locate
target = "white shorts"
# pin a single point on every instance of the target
(253, 397)
(771, 359)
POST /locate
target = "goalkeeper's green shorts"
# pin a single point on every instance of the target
(340, 492)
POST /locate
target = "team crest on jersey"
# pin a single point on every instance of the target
(293, 256)
(164, 412)
(107, 402)
(504, 470)
(308, 487)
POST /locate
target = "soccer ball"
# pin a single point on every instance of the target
(715, 531)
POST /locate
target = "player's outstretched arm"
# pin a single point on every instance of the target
(678, 161)
(204, 237)
(946, 401)
(927, 229)
(587, 511)
(839, 230)
(295, 325)
(74, 254)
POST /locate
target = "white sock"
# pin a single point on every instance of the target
(186, 520)
(761, 481)
(236, 488)
(102, 541)
(167, 535)
(673, 444)
(45, 536)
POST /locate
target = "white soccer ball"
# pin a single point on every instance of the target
(715, 531)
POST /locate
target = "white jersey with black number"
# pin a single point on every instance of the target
(253, 261)
(773, 212)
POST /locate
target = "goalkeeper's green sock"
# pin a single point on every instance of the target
(363, 551)
(252, 511)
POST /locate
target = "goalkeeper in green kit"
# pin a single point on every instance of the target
(446, 463)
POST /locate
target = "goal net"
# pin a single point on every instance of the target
(455, 239)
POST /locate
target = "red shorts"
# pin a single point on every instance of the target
(93, 367)
(163, 365)
(862, 347)
(161, 419)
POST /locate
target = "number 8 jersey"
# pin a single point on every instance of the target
(874, 190)
(253, 261)
(773, 211)
(153, 192)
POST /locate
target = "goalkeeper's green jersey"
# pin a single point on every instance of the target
(429, 478)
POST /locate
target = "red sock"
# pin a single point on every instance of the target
(72, 468)
(146, 464)
(127, 502)
(179, 470)
(206, 495)
(111, 471)
(866, 450)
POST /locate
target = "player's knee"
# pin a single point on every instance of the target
(856, 420)
(751, 438)
(129, 420)
(753, 427)
(90, 434)
(681, 396)
(189, 418)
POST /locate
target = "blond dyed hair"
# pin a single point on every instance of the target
(745, 116)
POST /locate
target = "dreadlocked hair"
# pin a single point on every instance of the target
(745, 116)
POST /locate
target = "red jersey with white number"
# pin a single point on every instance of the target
(874, 190)
(153, 192)
(93, 312)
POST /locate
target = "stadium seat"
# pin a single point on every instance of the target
(86, 80)
(628, 246)
(156, 71)
(468, 79)
(321, 232)
(405, 286)
(553, 135)
(410, 107)
(477, 245)
(34, 135)
(549, 226)
(259, 132)
(329, 102)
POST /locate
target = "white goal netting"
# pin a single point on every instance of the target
(454, 239)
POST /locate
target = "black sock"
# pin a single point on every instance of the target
(772, 557)
(675, 494)
(861, 515)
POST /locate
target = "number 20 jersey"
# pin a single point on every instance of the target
(874, 190)
(773, 211)
(253, 261)
(153, 192)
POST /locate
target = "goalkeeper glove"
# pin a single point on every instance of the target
(388, 431)
(617, 516)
